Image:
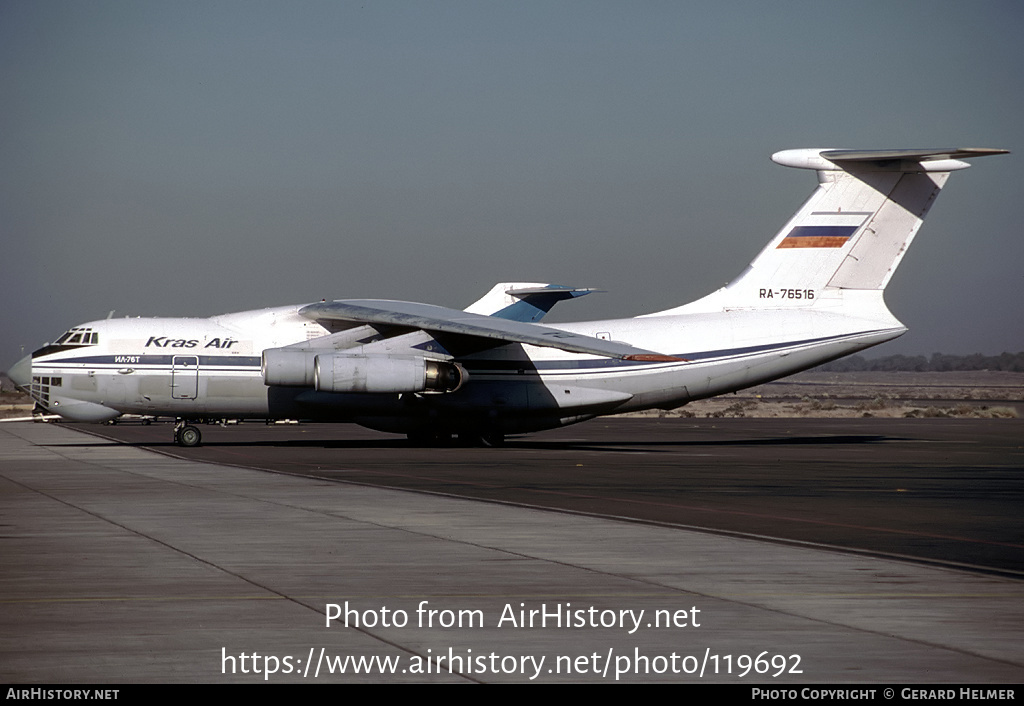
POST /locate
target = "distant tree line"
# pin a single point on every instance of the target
(936, 363)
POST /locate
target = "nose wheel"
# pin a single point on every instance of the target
(187, 435)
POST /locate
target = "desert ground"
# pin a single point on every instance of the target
(981, 393)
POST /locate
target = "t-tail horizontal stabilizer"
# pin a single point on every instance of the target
(849, 236)
(524, 301)
(915, 160)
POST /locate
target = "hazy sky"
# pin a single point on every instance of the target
(192, 158)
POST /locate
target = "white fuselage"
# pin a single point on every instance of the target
(211, 368)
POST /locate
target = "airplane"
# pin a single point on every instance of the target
(813, 294)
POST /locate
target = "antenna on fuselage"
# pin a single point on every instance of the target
(111, 314)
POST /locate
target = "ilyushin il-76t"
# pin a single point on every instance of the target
(813, 294)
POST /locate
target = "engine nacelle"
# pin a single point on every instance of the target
(384, 373)
(288, 367)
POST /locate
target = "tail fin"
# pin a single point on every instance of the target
(850, 234)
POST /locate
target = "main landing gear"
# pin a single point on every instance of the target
(186, 435)
(490, 439)
(433, 439)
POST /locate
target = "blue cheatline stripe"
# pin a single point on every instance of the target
(603, 364)
(488, 366)
(204, 360)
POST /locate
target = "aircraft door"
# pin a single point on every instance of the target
(184, 377)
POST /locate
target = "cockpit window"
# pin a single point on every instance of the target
(78, 337)
(75, 338)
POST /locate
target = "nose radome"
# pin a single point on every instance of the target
(21, 372)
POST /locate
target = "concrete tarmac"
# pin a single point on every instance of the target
(948, 491)
(121, 565)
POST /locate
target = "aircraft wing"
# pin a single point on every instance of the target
(439, 319)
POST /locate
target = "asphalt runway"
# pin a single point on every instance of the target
(948, 491)
(121, 565)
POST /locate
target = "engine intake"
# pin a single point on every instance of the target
(287, 367)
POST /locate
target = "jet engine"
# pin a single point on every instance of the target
(288, 367)
(385, 373)
(337, 372)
